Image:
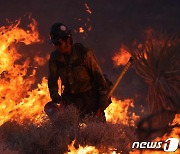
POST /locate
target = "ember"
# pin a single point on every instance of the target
(87, 8)
(81, 30)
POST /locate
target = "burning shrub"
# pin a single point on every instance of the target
(45, 138)
(55, 136)
(105, 135)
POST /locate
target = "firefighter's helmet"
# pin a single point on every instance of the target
(59, 30)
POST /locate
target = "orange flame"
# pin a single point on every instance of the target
(122, 57)
(81, 150)
(117, 112)
(17, 102)
(174, 134)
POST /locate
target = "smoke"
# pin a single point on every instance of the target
(112, 23)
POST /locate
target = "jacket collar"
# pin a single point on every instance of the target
(73, 56)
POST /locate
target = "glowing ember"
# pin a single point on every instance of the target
(122, 57)
(117, 112)
(87, 8)
(17, 102)
(89, 28)
(81, 30)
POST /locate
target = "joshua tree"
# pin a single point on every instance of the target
(157, 61)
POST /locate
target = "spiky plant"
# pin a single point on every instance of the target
(157, 61)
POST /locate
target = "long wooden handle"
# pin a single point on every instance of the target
(120, 76)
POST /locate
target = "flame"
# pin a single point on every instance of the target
(13, 34)
(174, 134)
(17, 102)
(81, 150)
(117, 112)
(122, 57)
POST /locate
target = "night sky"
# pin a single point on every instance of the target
(113, 23)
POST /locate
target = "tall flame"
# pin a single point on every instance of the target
(117, 112)
(17, 102)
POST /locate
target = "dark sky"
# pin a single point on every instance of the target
(114, 22)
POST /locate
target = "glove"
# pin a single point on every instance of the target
(104, 102)
(56, 98)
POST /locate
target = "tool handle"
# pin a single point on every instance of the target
(120, 76)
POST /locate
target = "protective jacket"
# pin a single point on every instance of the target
(81, 76)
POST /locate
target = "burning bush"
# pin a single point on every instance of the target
(54, 137)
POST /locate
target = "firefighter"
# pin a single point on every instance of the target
(84, 83)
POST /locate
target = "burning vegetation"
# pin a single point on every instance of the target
(25, 128)
(17, 100)
(157, 62)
